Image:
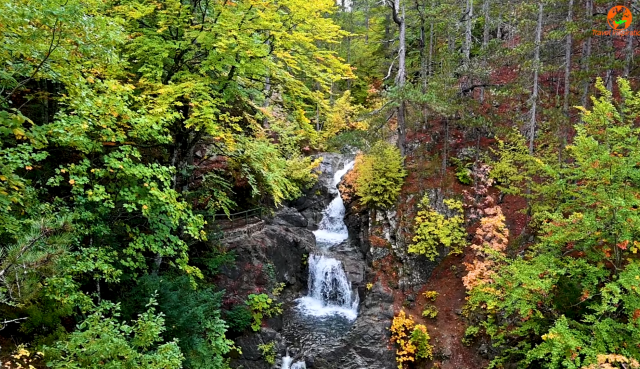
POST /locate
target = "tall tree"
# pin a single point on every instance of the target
(536, 76)
(398, 14)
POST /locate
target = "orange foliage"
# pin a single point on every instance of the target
(614, 361)
(492, 234)
(348, 185)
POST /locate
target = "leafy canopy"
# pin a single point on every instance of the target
(576, 295)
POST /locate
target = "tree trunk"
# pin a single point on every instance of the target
(466, 49)
(445, 148)
(431, 49)
(400, 77)
(629, 46)
(485, 42)
(562, 139)
(567, 60)
(608, 79)
(536, 72)
(424, 69)
(586, 55)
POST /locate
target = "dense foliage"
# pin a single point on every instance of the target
(411, 339)
(379, 176)
(124, 125)
(433, 230)
(575, 294)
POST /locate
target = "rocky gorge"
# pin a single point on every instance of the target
(280, 252)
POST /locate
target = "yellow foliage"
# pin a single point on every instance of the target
(431, 295)
(412, 339)
(23, 359)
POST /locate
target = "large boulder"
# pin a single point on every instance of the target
(289, 217)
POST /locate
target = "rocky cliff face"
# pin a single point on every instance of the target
(391, 236)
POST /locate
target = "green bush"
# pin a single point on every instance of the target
(102, 341)
(430, 311)
(238, 318)
(434, 229)
(268, 351)
(262, 305)
(463, 173)
(469, 334)
(380, 175)
(193, 317)
(420, 339)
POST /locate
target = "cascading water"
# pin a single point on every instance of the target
(329, 289)
(287, 363)
(318, 321)
(332, 230)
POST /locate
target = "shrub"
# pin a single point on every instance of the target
(469, 334)
(430, 311)
(262, 305)
(431, 295)
(238, 318)
(193, 318)
(420, 338)
(380, 175)
(412, 340)
(434, 229)
(268, 351)
(103, 341)
(23, 358)
(463, 173)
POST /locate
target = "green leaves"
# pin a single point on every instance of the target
(101, 341)
(262, 305)
(574, 296)
(434, 229)
(380, 175)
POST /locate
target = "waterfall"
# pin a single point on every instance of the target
(329, 289)
(332, 230)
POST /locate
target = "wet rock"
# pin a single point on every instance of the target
(352, 260)
(483, 350)
(251, 356)
(366, 344)
(289, 217)
(378, 253)
(273, 255)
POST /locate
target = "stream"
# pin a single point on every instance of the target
(317, 321)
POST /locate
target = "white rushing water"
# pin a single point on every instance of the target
(329, 289)
(332, 230)
(286, 363)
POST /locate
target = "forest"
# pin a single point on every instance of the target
(454, 184)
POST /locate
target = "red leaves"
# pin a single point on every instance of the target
(585, 295)
(623, 245)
